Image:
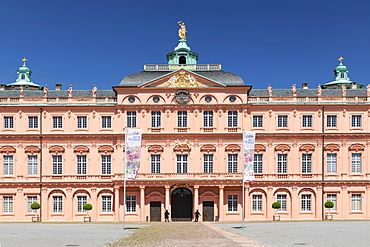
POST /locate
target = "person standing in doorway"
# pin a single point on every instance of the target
(196, 214)
(166, 216)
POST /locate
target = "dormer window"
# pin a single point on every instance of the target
(182, 60)
(23, 77)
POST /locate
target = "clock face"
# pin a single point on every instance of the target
(182, 97)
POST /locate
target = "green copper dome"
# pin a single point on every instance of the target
(24, 78)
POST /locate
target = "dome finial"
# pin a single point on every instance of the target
(341, 59)
(24, 60)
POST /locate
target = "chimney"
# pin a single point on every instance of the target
(305, 85)
(58, 86)
(353, 85)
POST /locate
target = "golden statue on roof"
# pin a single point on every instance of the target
(340, 59)
(182, 30)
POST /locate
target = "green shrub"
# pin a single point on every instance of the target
(35, 206)
(329, 204)
(276, 205)
(87, 206)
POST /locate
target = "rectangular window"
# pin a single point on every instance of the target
(331, 121)
(156, 119)
(306, 203)
(8, 122)
(232, 119)
(57, 122)
(8, 204)
(307, 121)
(33, 122)
(356, 202)
(332, 198)
(232, 203)
(232, 163)
(208, 163)
(106, 122)
(30, 200)
(282, 121)
(106, 164)
(331, 163)
(257, 163)
(208, 119)
(282, 165)
(57, 164)
(57, 204)
(182, 163)
(131, 204)
(257, 121)
(356, 163)
(131, 119)
(32, 164)
(356, 121)
(282, 200)
(81, 164)
(257, 203)
(106, 204)
(306, 163)
(81, 201)
(8, 164)
(155, 163)
(182, 119)
(81, 122)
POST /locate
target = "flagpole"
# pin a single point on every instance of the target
(243, 199)
(124, 183)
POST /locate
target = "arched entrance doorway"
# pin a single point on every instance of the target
(181, 205)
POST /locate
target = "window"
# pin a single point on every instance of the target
(182, 119)
(81, 122)
(131, 119)
(30, 200)
(306, 163)
(331, 121)
(182, 163)
(81, 201)
(106, 164)
(208, 119)
(81, 164)
(8, 164)
(331, 163)
(33, 122)
(257, 203)
(131, 204)
(306, 203)
(282, 200)
(356, 163)
(208, 163)
(57, 122)
(156, 119)
(232, 163)
(8, 122)
(282, 121)
(356, 121)
(8, 204)
(106, 204)
(232, 119)
(232, 203)
(307, 121)
(57, 204)
(155, 163)
(32, 164)
(356, 202)
(332, 198)
(257, 122)
(106, 122)
(257, 163)
(282, 163)
(57, 164)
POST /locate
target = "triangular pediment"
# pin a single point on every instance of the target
(182, 79)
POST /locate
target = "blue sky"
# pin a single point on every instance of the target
(273, 42)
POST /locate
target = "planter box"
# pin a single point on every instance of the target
(328, 217)
(87, 219)
(35, 219)
(276, 218)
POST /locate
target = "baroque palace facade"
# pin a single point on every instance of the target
(65, 148)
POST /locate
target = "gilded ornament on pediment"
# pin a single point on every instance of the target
(182, 79)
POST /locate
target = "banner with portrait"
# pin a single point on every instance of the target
(248, 155)
(132, 152)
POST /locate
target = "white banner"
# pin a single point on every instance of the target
(132, 152)
(248, 155)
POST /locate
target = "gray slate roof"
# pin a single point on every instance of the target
(57, 93)
(307, 92)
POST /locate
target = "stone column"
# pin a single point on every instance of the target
(221, 203)
(319, 203)
(142, 203)
(196, 199)
(116, 203)
(167, 198)
(69, 200)
(346, 203)
(295, 203)
(269, 200)
(22, 207)
(45, 204)
(94, 201)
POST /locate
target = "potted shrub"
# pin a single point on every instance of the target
(35, 206)
(276, 206)
(87, 207)
(329, 205)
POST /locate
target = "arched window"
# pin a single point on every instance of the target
(182, 60)
(23, 77)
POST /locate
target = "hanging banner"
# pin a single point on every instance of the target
(132, 152)
(248, 155)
